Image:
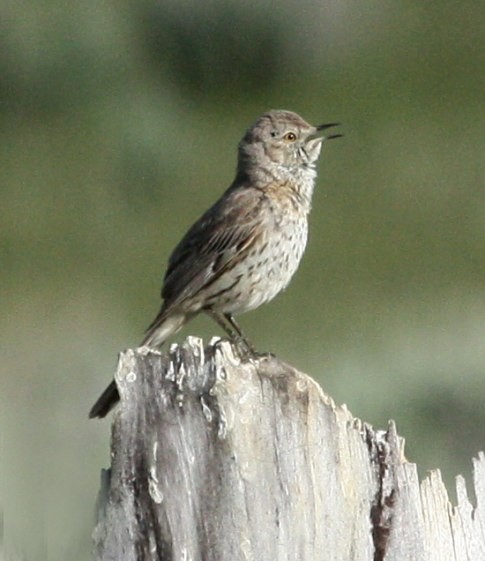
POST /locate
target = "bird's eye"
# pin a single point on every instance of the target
(290, 136)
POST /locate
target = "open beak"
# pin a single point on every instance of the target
(327, 126)
(313, 143)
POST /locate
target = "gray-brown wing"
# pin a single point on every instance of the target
(222, 234)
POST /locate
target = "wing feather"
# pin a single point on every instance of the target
(224, 233)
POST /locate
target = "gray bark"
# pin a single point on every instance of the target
(218, 460)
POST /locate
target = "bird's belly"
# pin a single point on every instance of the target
(266, 270)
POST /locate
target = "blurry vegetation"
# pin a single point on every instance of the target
(118, 127)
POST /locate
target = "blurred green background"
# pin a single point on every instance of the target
(119, 125)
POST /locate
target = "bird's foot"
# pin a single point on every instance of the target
(247, 352)
(267, 355)
(244, 349)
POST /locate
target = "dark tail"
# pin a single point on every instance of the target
(161, 328)
(107, 400)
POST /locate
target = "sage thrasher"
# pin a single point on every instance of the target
(244, 250)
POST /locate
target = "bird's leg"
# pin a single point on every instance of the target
(227, 322)
(219, 318)
(241, 336)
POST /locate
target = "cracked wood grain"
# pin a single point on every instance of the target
(214, 459)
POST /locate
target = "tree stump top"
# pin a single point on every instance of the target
(218, 459)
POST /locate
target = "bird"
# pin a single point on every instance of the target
(245, 249)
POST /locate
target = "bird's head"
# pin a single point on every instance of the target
(282, 138)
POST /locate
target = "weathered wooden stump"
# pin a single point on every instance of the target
(218, 460)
